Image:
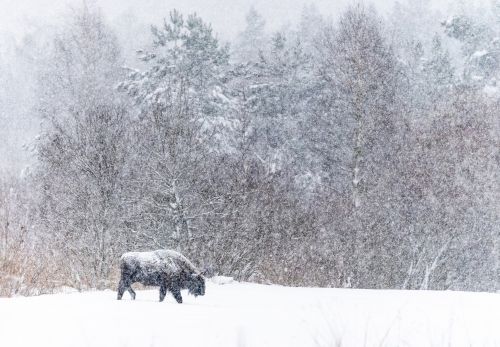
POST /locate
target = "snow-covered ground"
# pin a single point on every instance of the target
(244, 314)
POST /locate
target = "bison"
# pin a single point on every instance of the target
(167, 269)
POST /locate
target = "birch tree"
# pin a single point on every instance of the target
(81, 151)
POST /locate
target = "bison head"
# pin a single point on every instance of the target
(196, 285)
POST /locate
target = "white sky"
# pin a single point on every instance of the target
(226, 16)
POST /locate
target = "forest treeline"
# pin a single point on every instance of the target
(356, 152)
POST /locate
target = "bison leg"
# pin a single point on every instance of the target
(163, 292)
(121, 289)
(177, 295)
(131, 291)
(124, 285)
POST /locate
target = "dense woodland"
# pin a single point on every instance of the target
(356, 151)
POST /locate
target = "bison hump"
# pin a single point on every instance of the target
(166, 261)
(181, 261)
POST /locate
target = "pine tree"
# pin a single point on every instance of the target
(439, 75)
(185, 116)
(480, 48)
(251, 40)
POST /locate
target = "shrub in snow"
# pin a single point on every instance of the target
(165, 268)
(221, 280)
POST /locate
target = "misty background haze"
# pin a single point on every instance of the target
(131, 20)
(335, 144)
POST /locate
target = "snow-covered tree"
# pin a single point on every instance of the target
(81, 150)
(478, 35)
(310, 28)
(449, 206)
(359, 152)
(361, 79)
(437, 68)
(252, 40)
(185, 118)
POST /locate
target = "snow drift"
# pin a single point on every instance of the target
(244, 314)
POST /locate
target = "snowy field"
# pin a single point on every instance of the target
(244, 314)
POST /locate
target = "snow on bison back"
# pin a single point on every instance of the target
(168, 269)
